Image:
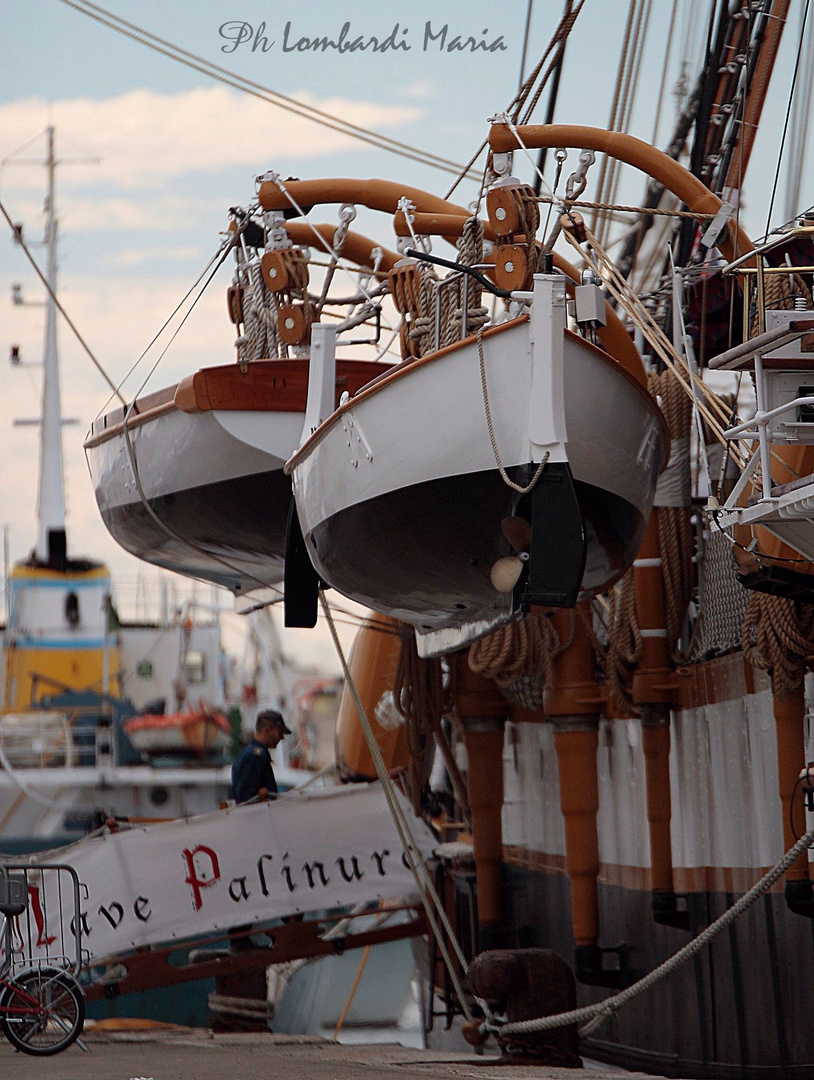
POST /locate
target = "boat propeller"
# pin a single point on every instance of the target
(505, 573)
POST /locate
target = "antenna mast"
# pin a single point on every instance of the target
(51, 542)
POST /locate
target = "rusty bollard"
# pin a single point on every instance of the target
(527, 983)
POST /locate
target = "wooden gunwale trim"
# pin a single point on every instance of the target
(407, 368)
(136, 419)
(190, 395)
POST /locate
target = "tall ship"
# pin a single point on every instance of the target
(578, 502)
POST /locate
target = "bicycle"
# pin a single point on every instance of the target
(42, 1008)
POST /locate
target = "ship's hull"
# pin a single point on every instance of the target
(196, 483)
(741, 1007)
(215, 496)
(401, 500)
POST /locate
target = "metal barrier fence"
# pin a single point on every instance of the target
(40, 917)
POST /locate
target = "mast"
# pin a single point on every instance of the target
(51, 542)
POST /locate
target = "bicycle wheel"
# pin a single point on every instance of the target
(42, 1011)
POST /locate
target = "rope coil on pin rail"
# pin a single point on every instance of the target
(427, 891)
(597, 1014)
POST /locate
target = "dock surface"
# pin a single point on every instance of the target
(193, 1054)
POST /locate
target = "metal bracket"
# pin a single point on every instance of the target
(589, 966)
(667, 912)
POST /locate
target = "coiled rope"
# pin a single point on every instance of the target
(521, 649)
(778, 636)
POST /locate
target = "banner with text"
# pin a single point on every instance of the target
(244, 865)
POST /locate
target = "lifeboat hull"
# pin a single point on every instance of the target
(198, 486)
(401, 501)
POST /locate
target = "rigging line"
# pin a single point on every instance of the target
(433, 906)
(626, 106)
(564, 28)
(600, 187)
(559, 41)
(327, 246)
(663, 85)
(800, 129)
(525, 43)
(788, 114)
(221, 260)
(167, 321)
(273, 97)
(60, 308)
(553, 94)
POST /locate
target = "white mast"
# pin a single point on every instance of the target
(51, 501)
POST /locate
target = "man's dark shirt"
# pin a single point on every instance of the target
(251, 771)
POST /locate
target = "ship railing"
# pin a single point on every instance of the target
(779, 356)
(78, 737)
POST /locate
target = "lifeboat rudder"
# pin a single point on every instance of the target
(373, 660)
(572, 701)
(559, 544)
(301, 581)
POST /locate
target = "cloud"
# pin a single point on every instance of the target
(129, 257)
(201, 130)
(420, 89)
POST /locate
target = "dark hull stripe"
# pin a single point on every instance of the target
(428, 548)
(740, 1010)
(240, 520)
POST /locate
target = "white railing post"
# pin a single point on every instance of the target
(321, 378)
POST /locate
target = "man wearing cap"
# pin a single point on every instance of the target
(252, 772)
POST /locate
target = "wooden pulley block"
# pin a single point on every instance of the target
(234, 303)
(574, 224)
(297, 268)
(512, 208)
(512, 269)
(275, 271)
(294, 322)
(405, 286)
(284, 269)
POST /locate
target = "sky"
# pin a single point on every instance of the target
(175, 149)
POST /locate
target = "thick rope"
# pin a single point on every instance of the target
(778, 636)
(521, 649)
(624, 643)
(433, 906)
(245, 1008)
(600, 1012)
